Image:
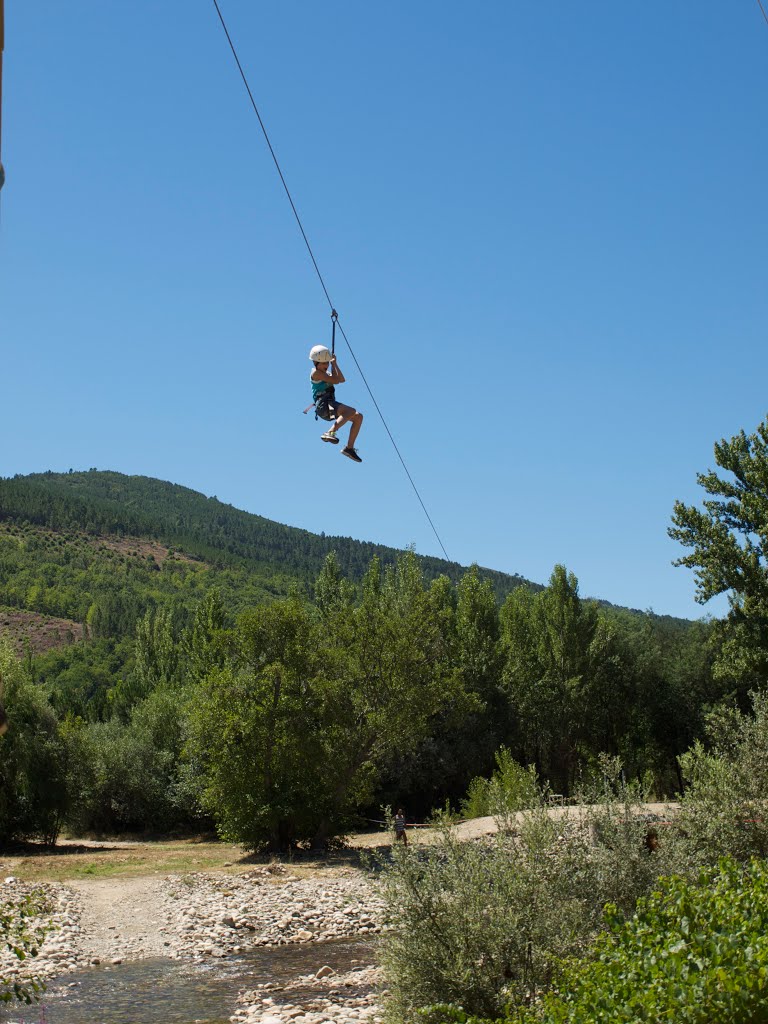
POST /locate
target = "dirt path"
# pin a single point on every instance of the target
(120, 916)
(477, 827)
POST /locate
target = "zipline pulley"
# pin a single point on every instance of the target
(334, 318)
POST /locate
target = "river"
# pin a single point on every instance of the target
(165, 991)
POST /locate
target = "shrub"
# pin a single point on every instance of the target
(483, 924)
(129, 777)
(20, 935)
(723, 812)
(693, 954)
(511, 788)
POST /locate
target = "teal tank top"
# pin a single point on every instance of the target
(319, 387)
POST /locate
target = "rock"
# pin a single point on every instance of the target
(304, 936)
(325, 972)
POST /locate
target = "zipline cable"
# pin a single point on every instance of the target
(760, 2)
(320, 276)
(2, 47)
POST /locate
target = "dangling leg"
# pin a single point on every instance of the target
(349, 415)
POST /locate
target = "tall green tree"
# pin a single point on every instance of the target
(205, 643)
(549, 665)
(386, 680)
(728, 539)
(33, 772)
(254, 731)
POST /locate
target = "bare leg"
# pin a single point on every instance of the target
(349, 415)
(357, 422)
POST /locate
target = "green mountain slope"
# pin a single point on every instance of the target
(100, 547)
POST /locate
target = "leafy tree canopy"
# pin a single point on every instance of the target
(729, 549)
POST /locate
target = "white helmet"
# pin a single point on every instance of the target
(319, 354)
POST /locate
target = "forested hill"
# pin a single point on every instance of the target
(103, 503)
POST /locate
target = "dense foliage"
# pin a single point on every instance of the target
(694, 952)
(484, 924)
(107, 504)
(542, 922)
(21, 935)
(729, 551)
(192, 643)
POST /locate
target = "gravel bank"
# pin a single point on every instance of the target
(203, 917)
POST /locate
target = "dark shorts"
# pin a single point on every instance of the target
(326, 407)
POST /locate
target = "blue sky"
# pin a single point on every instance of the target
(543, 226)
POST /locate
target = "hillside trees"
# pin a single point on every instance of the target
(729, 542)
(254, 731)
(33, 759)
(548, 671)
(294, 729)
(574, 685)
(106, 503)
(287, 717)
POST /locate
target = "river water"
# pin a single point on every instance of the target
(164, 991)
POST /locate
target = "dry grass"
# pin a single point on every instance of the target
(77, 859)
(73, 859)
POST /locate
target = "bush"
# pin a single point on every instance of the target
(693, 954)
(483, 924)
(129, 777)
(21, 935)
(723, 812)
(511, 788)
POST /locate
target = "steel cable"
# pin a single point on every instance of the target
(320, 276)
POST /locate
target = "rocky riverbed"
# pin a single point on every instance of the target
(205, 917)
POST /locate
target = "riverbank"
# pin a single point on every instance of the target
(201, 918)
(112, 904)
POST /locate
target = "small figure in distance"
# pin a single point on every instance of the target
(651, 840)
(400, 827)
(325, 376)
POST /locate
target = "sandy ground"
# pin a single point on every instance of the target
(120, 909)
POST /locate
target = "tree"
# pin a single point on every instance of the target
(313, 703)
(729, 542)
(33, 792)
(204, 643)
(547, 638)
(254, 731)
(386, 680)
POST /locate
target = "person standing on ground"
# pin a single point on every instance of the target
(400, 827)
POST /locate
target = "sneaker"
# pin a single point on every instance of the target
(351, 453)
(329, 435)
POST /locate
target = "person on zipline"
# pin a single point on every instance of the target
(325, 376)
